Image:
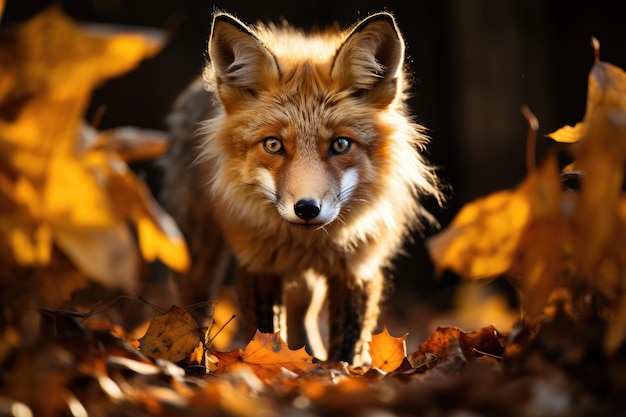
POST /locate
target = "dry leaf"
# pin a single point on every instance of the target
(172, 336)
(387, 352)
(471, 344)
(598, 225)
(58, 189)
(509, 232)
(267, 355)
(547, 238)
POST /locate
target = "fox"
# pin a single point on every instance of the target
(294, 155)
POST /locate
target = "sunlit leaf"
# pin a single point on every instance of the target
(387, 352)
(159, 236)
(267, 354)
(83, 196)
(51, 64)
(486, 237)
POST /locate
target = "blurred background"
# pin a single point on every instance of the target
(474, 64)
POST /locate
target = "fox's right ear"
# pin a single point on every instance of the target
(242, 65)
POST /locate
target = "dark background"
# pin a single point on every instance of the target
(475, 63)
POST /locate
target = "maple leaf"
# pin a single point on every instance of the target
(387, 352)
(267, 355)
(59, 185)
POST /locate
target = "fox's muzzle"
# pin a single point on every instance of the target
(307, 209)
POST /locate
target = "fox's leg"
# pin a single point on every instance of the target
(354, 306)
(260, 299)
(303, 297)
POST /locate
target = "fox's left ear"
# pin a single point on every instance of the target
(371, 60)
(241, 63)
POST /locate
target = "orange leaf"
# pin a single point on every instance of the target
(387, 352)
(267, 354)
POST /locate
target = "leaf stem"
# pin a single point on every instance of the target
(531, 138)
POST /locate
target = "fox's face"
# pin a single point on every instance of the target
(308, 120)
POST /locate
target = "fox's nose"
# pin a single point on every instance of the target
(307, 209)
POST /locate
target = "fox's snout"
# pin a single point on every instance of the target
(312, 200)
(307, 209)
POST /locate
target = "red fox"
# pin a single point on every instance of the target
(297, 149)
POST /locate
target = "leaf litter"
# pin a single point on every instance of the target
(67, 198)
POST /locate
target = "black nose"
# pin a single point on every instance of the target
(307, 209)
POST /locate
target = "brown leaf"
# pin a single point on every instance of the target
(471, 344)
(172, 336)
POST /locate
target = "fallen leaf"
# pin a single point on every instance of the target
(387, 352)
(267, 355)
(173, 335)
(471, 344)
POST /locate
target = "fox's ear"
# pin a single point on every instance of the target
(370, 61)
(242, 65)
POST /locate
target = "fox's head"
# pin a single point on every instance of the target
(313, 124)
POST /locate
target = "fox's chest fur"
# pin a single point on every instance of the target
(308, 165)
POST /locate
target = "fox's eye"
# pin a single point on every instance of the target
(340, 146)
(273, 145)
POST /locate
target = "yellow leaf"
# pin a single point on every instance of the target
(50, 66)
(569, 134)
(76, 192)
(26, 238)
(600, 153)
(158, 234)
(155, 244)
(31, 248)
(482, 240)
(519, 232)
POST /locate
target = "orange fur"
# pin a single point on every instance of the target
(312, 171)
